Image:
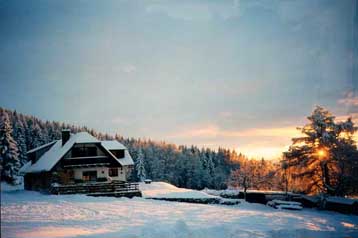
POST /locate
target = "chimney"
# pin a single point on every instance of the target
(65, 136)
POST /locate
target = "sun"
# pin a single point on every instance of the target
(321, 153)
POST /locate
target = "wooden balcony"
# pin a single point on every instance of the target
(108, 189)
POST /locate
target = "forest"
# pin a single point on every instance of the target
(323, 160)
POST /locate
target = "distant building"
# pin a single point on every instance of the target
(76, 159)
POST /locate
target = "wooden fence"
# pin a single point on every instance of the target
(114, 189)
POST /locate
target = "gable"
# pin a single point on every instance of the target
(87, 154)
(50, 158)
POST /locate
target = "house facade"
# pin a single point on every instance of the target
(76, 159)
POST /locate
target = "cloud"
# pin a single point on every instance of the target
(118, 120)
(128, 68)
(225, 114)
(354, 117)
(350, 99)
(196, 11)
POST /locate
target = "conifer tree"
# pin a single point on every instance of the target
(321, 157)
(9, 156)
(141, 174)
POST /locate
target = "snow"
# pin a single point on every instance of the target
(40, 147)
(127, 160)
(226, 192)
(112, 145)
(166, 190)
(25, 168)
(31, 214)
(280, 204)
(115, 145)
(236, 192)
(5, 187)
(289, 206)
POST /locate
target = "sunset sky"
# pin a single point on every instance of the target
(236, 74)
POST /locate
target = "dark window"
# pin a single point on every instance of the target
(89, 175)
(84, 151)
(118, 153)
(113, 172)
(71, 174)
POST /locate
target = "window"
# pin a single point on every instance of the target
(113, 172)
(118, 153)
(89, 175)
(71, 174)
(84, 151)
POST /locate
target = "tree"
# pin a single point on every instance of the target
(9, 156)
(21, 140)
(319, 159)
(242, 177)
(140, 166)
(34, 134)
(182, 166)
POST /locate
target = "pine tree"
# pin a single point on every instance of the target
(21, 142)
(9, 157)
(141, 174)
(319, 159)
(34, 134)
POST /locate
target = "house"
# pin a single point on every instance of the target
(76, 160)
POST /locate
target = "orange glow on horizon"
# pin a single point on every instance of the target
(258, 142)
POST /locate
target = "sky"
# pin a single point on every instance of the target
(236, 74)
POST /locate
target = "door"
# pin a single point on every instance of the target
(89, 175)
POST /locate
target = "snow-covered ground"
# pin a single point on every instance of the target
(166, 190)
(31, 214)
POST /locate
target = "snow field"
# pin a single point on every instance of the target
(31, 214)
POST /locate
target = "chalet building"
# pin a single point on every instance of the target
(76, 160)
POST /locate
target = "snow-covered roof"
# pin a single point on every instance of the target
(127, 160)
(40, 147)
(115, 145)
(112, 145)
(24, 168)
(50, 158)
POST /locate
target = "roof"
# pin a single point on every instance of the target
(24, 168)
(115, 145)
(112, 145)
(50, 158)
(41, 147)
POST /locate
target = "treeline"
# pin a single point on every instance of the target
(189, 167)
(323, 160)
